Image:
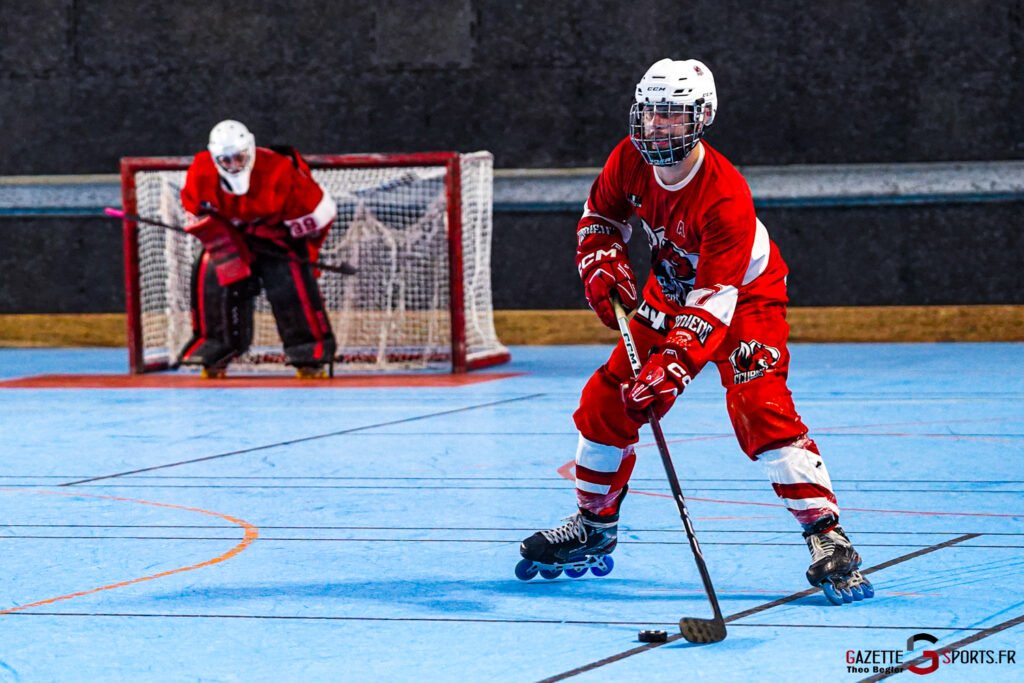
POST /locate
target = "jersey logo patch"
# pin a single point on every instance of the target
(650, 317)
(674, 268)
(751, 360)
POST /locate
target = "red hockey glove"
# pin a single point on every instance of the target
(227, 248)
(604, 267)
(661, 379)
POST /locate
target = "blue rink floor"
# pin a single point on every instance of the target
(370, 534)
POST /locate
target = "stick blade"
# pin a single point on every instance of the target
(702, 631)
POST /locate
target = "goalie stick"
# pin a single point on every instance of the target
(343, 268)
(695, 630)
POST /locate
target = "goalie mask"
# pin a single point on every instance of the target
(233, 149)
(675, 102)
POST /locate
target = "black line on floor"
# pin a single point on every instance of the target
(306, 438)
(460, 620)
(622, 529)
(332, 539)
(983, 633)
(672, 435)
(859, 627)
(753, 610)
(85, 484)
(7, 477)
(469, 620)
(429, 487)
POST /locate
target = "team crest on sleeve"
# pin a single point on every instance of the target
(751, 360)
(674, 268)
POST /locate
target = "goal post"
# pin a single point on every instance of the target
(417, 227)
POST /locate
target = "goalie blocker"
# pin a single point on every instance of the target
(227, 248)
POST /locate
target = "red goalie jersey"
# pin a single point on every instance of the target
(709, 251)
(283, 199)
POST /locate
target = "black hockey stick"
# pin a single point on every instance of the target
(343, 268)
(694, 630)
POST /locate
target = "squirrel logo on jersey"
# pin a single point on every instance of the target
(674, 268)
(751, 360)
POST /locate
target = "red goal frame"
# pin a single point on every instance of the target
(453, 184)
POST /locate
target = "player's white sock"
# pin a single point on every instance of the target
(800, 478)
(601, 473)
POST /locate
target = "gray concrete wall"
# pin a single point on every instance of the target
(539, 83)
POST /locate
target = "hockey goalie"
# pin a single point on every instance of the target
(261, 219)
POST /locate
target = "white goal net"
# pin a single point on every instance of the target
(395, 222)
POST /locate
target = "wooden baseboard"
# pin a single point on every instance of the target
(907, 323)
(63, 329)
(825, 324)
(514, 328)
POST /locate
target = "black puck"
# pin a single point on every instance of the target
(653, 636)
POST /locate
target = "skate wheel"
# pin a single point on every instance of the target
(575, 573)
(833, 595)
(857, 592)
(846, 593)
(550, 573)
(867, 589)
(525, 570)
(604, 567)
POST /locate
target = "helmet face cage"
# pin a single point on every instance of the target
(665, 132)
(233, 162)
(233, 149)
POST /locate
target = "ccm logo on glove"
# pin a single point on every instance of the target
(660, 381)
(599, 255)
(605, 269)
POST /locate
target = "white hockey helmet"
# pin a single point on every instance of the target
(233, 149)
(675, 102)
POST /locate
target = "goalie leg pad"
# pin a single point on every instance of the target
(298, 311)
(226, 246)
(222, 317)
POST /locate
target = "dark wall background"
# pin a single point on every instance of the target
(842, 256)
(953, 254)
(539, 83)
(61, 265)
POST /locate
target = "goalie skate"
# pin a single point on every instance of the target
(217, 372)
(310, 372)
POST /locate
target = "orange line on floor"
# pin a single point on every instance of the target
(251, 533)
(193, 381)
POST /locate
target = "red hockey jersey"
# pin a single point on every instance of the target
(709, 251)
(282, 198)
